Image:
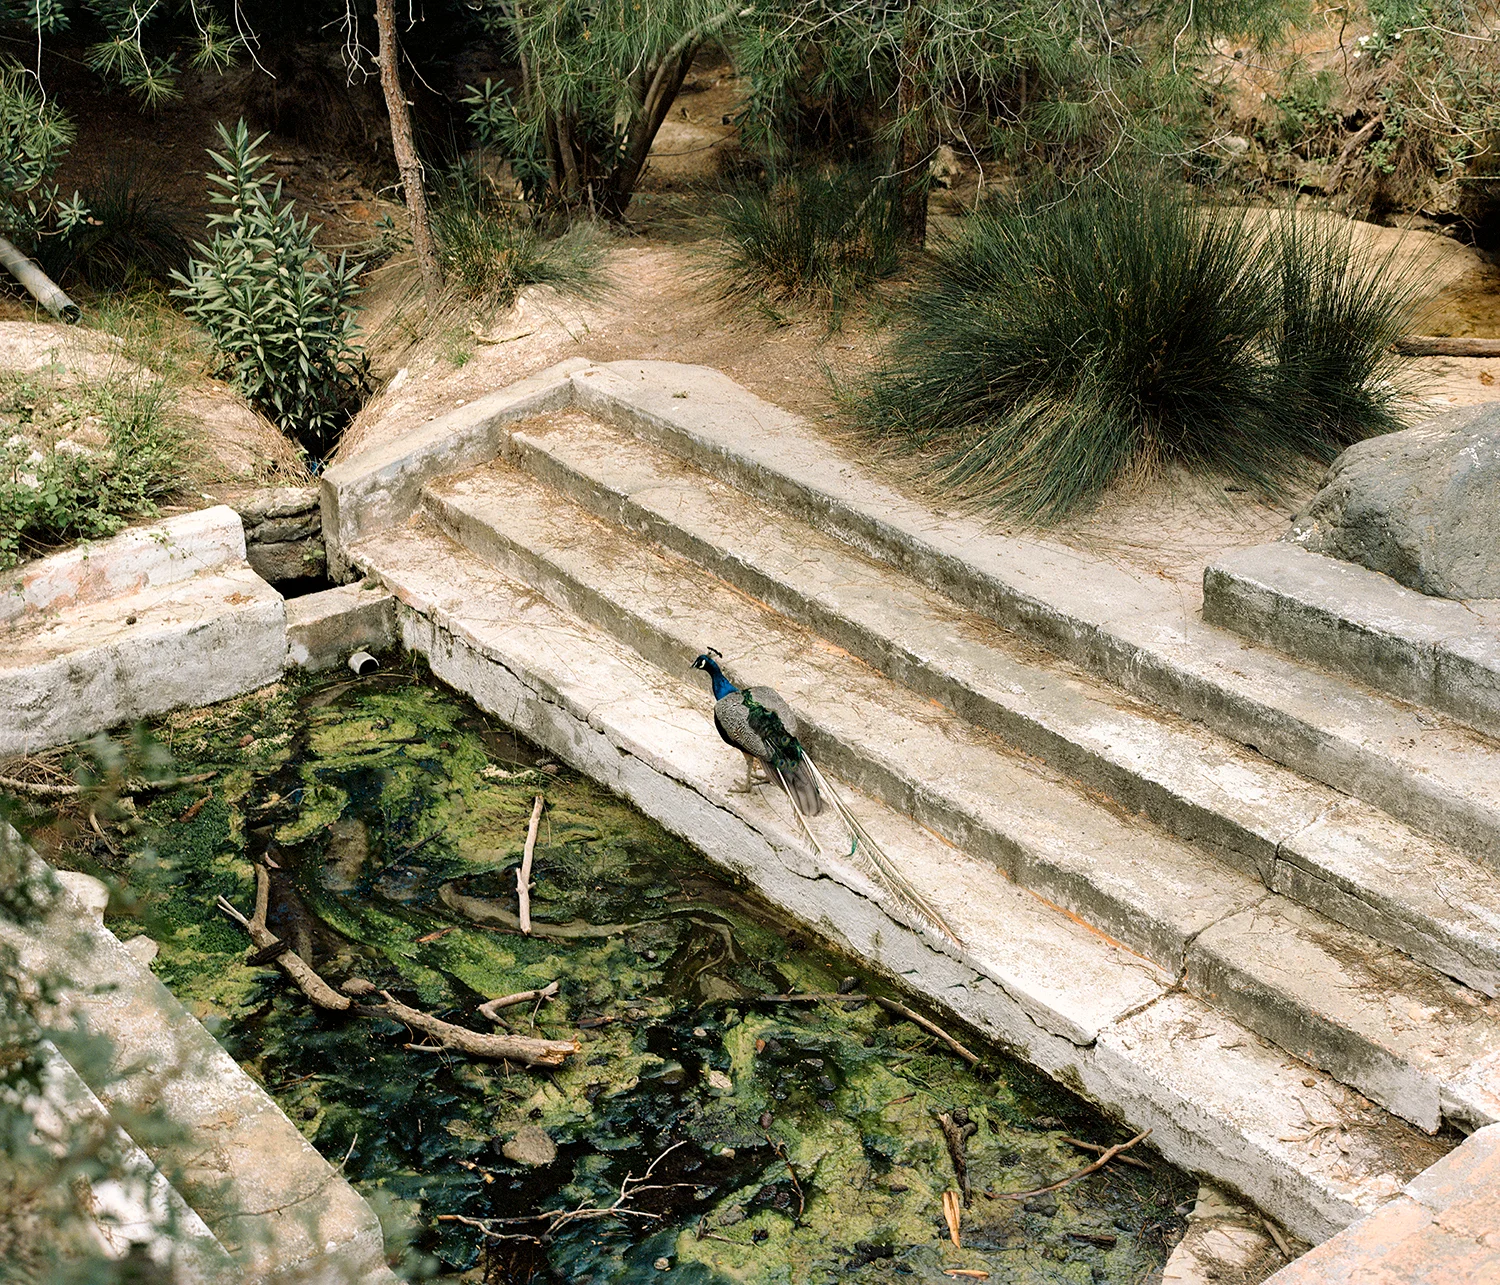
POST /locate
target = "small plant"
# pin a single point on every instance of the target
(1068, 341)
(34, 136)
(490, 249)
(280, 313)
(132, 234)
(811, 238)
(80, 464)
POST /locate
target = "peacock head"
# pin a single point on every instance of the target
(709, 662)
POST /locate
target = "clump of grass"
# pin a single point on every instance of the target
(79, 463)
(810, 238)
(492, 249)
(133, 234)
(1067, 341)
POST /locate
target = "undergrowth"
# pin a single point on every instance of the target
(133, 234)
(1063, 342)
(490, 249)
(809, 238)
(80, 462)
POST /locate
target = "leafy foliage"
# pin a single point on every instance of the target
(54, 489)
(1064, 342)
(811, 236)
(34, 136)
(490, 250)
(280, 312)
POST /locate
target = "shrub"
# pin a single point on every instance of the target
(1066, 341)
(55, 488)
(280, 313)
(34, 137)
(132, 233)
(490, 249)
(809, 237)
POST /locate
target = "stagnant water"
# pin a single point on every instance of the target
(810, 1149)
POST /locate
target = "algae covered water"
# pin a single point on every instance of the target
(785, 1142)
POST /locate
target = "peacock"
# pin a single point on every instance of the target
(760, 724)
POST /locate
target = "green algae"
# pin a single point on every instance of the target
(810, 1145)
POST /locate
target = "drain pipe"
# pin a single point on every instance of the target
(41, 287)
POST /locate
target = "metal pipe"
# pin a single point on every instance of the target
(40, 286)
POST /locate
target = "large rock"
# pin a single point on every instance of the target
(1422, 506)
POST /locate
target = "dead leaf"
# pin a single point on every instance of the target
(953, 1213)
(245, 739)
(197, 807)
(1486, 378)
(968, 1273)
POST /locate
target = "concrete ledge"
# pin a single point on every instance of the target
(191, 643)
(1344, 617)
(322, 629)
(380, 487)
(160, 554)
(1444, 1230)
(281, 1211)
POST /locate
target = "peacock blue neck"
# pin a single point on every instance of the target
(722, 686)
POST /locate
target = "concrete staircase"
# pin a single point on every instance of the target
(1225, 894)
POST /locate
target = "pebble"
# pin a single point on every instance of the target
(662, 1264)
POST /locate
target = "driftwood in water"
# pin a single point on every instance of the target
(1447, 346)
(499, 1048)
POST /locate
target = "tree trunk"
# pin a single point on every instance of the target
(914, 152)
(407, 160)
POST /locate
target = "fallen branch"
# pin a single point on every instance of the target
(1354, 142)
(1098, 1150)
(890, 1005)
(523, 875)
(1447, 346)
(1072, 1178)
(495, 1048)
(491, 1007)
(498, 1048)
(44, 790)
(492, 914)
(630, 1188)
(955, 1136)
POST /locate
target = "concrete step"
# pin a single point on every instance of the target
(188, 642)
(1129, 628)
(1128, 878)
(1124, 876)
(1436, 652)
(1297, 836)
(279, 1209)
(1220, 1100)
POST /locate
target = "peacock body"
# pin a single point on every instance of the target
(758, 723)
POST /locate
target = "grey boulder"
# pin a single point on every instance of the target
(1421, 506)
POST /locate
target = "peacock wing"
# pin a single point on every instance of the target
(770, 698)
(732, 720)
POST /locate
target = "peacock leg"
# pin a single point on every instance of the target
(750, 781)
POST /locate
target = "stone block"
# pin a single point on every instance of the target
(381, 486)
(322, 629)
(159, 554)
(291, 560)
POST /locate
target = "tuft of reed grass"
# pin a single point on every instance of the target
(491, 249)
(811, 238)
(133, 235)
(1063, 342)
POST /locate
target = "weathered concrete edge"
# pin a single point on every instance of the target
(324, 628)
(162, 553)
(1467, 1177)
(381, 487)
(219, 1091)
(1358, 622)
(1117, 1080)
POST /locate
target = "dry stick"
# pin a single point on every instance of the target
(1098, 1150)
(1354, 142)
(955, 1136)
(523, 875)
(1447, 346)
(1286, 1250)
(490, 1008)
(779, 1148)
(1082, 1173)
(44, 791)
(290, 962)
(496, 1048)
(890, 1005)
